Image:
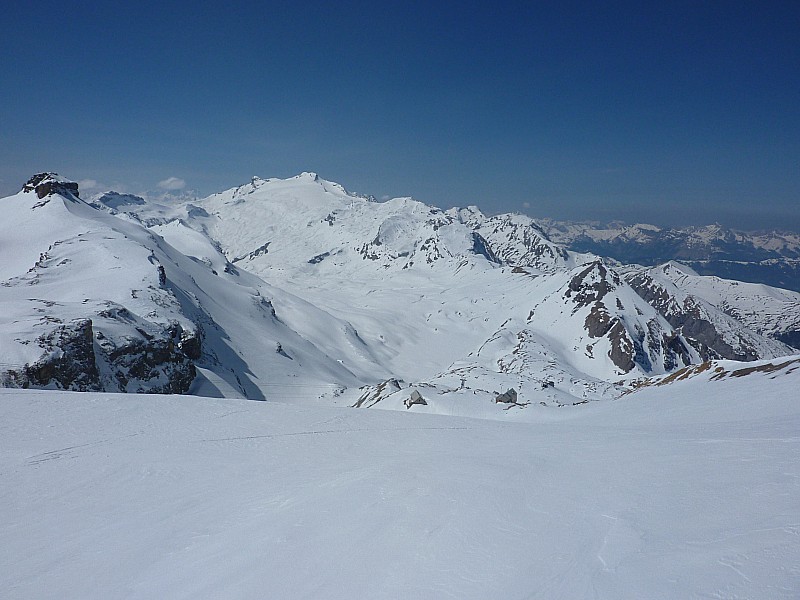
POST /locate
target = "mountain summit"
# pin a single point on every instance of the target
(285, 284)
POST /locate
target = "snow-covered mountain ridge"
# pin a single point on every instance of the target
(343, 251)
(693, 301)
(297, 288)
(95, 302)
(768, 257)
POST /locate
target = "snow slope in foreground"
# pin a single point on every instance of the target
(686, 490)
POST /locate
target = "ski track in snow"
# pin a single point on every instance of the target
(329, 431)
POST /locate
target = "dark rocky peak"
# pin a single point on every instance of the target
(592, 284)
(47, 184)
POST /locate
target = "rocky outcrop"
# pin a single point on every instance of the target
(591, 285)
(695, 321)
(47, 184)
(415, 398)
(77, 357)
(507, 397)
(481, 246)
(151, 362)
(636, 336)
(68, 361)
(373, 394)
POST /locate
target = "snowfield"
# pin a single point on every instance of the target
(687, 490)
(621, 466)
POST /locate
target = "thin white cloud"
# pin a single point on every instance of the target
(92, 186)
(88, 184)
(526, 205)
(172, 183)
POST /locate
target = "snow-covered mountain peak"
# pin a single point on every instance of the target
(519, 241)
(297, 282)
(115, 200)
(676, 269)
(469, 214)
(305, 186)
(698, 302)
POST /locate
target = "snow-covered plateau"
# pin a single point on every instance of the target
(555, 424)
(687, 489)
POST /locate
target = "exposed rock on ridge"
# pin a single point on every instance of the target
(46, 184)
(711, 332)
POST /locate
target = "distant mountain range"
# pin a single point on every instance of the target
(770, 257)
(296, 288)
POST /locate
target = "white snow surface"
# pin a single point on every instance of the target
(687, 490)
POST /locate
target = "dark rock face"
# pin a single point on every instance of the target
(623, 350)
(159, 363)
(73, 353)
(71, 362)
(637, 340)
(46, 184)
(68, 361)
(598, 321)
(691, 320)
(591, 285)
(190, 344)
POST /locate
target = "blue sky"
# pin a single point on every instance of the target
(683, 113)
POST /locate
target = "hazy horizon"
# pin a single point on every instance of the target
(685, 113)
(745, 223)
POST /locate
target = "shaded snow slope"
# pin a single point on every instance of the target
(686, 490)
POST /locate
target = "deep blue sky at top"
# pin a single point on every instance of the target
(673, 112)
